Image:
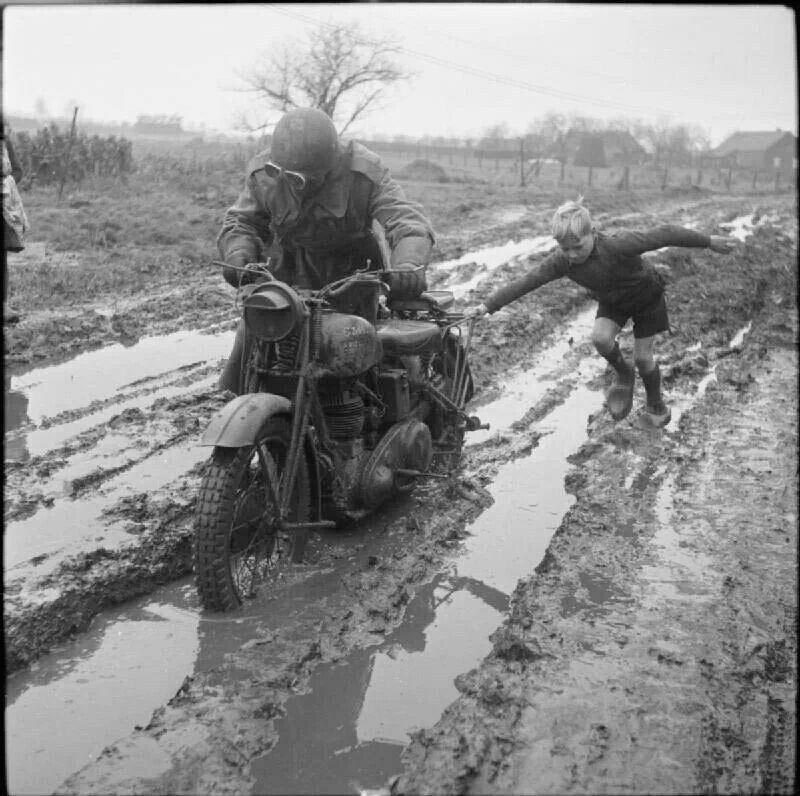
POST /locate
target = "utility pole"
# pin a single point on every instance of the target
(65, 162)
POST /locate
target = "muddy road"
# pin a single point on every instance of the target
(584, 606)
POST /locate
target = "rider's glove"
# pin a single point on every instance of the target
(233, 275)
(406, 281)
(244, 272)
(256, 272)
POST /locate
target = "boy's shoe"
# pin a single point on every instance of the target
(619, 399)
(655, 418)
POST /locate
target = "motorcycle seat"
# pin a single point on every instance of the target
(403, 337)
(425, 302)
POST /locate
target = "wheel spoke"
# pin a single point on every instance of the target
(239, 508)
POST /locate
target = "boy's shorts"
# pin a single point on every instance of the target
(647, 321)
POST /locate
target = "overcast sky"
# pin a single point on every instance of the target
(724, 68)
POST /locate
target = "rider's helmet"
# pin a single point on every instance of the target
(305, 140)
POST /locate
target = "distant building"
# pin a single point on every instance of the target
(608, 147)
(159, 125)
(765, 151)
(622, 148)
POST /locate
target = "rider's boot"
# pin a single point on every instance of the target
(657, 414)
(619, 398)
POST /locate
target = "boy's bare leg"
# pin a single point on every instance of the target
(658, 414)
(619, 398)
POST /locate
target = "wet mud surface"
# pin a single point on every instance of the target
(584, 606)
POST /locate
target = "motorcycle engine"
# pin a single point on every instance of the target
(344, 414)
(406, 445)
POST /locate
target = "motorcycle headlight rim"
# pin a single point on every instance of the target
(272, 311)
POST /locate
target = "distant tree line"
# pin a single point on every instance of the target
(580, 140)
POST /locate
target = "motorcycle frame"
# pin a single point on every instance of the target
(306, 401)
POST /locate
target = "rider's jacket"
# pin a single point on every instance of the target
(313, 235)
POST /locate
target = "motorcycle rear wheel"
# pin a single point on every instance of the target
(237, 544)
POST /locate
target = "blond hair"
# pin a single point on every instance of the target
(570, 220)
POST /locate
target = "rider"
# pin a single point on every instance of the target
(314, 199)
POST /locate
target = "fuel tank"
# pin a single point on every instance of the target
(349, 345)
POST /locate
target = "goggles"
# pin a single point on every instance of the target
(296, 179)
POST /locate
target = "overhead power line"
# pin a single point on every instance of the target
(501, 79)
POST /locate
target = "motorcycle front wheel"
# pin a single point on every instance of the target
(237, 542)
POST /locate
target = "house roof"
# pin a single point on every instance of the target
(749, 142)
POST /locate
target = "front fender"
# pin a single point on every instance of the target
(239, 421)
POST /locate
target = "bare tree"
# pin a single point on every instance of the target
(673, 143)
(339, 70)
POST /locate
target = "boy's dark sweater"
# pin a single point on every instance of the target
(613, 272)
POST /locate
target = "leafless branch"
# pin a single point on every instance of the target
(339, 71)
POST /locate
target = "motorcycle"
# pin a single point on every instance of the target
(339, 413)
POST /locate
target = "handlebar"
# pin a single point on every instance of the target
(363, 276)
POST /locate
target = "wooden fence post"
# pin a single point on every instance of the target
(65, 161)
(591, 169)
(699, 176)
(777, 180)
(755, 178)
(521, 162)
(665, 178)
(729, 178)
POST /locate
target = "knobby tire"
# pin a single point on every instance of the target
(231, 483)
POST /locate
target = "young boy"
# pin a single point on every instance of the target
(611, 267)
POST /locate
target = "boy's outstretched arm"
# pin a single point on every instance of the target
(637, 242)
(551, 267)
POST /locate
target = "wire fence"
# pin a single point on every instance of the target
(48, 156)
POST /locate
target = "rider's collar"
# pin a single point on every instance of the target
(333, 194)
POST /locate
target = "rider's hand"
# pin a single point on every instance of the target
(230, 272)
(243, 271)
(476, 312)
(256, 272)
(406, 281)
(721, 244)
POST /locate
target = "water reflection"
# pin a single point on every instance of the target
(15, 411)
(73, 702)
(104, 373)
(347, 733)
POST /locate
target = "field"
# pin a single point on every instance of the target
(584, 606)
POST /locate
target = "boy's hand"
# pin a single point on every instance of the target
(476, 312)
(722, 244)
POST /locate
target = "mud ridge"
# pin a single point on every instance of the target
(472, 748)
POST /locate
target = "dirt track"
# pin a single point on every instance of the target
(652, 649)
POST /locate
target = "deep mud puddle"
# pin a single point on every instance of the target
(51, 404)
(347, 733)
(72, 702)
